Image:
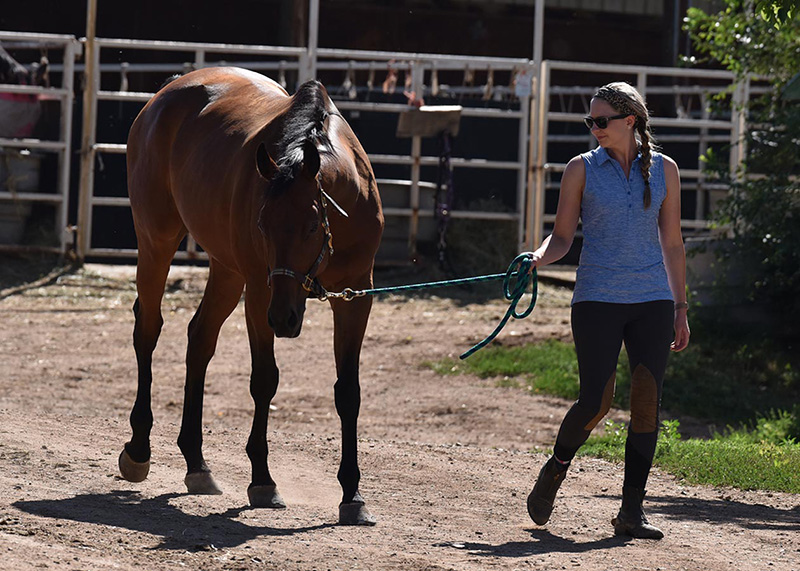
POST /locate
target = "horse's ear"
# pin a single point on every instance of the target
(311, 160)
(264, 163)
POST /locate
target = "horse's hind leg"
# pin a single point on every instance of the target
(152, 270)
(223, 290)
(350, 323)
(262, 492)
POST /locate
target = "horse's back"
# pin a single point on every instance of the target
(187, 143)
(235, 101)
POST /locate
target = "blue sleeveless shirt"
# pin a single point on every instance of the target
(621, 259)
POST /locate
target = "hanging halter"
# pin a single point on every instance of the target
(309, 281)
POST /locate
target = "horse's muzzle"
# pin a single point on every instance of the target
(286, 321)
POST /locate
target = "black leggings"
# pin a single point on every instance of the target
(599, 330)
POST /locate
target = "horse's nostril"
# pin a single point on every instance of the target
(292, 321)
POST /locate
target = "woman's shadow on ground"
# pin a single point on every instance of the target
(670, 510)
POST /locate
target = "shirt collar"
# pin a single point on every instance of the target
(603, 156)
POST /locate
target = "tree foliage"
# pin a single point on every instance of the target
(745, 41)
(778, 12)
(763, 207)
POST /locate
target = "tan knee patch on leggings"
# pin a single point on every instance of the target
(605, 405)
(644, 400)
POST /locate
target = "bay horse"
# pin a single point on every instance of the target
(280, 194)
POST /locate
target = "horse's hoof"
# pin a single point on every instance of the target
(355, 513)
(265, 496)
(131, 470)
(201, 483)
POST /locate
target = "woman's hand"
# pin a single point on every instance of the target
(682, 333)
(534, 257)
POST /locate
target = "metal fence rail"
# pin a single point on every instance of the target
(63, 146)
(200, 53)
(536, 112)
(705, 130)
(329, 60)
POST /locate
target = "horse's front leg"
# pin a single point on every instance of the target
(223, 291)
(262, 492)
(350, 323)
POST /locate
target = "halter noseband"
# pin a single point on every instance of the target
(309, 281)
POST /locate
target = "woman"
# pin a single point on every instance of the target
(630, 286)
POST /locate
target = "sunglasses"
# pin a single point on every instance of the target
(601, 122)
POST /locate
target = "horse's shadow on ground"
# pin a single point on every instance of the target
(156, 516)
(670, 510)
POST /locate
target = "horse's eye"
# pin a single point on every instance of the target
(313, 223)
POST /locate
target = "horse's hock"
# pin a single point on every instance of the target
(19, 174)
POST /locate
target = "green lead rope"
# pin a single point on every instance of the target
(520, 269)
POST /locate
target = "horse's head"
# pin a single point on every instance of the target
(294, 222)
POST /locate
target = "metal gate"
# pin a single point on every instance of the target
(18, 201)
(422, 69)
(558, 106)
(690, 124)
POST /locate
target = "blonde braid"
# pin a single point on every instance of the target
(644, 135)
(625, 99)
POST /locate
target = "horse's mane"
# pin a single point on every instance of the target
(304, 121)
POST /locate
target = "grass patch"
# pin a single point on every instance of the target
(543, 368)
(737, 459)
(724, 379)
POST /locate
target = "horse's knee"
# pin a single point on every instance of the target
(644, 401)
(201, 344)
(605, 403)
(146, 329)
(264, 384)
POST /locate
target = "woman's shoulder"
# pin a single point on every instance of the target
(592, 157)
(668, 163)
(577, 165)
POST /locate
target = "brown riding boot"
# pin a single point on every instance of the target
(631, 519)
(541, 498)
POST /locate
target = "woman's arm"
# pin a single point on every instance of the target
(669, 230)
(557, 244)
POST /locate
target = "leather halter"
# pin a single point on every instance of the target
(309, 281)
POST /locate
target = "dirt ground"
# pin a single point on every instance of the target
(446, 462)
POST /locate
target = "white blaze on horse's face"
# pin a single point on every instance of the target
(291, 222)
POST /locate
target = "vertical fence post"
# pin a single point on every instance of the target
(522, 173)
(413, 223)
(309, 70)
(702, 148)
(88, 139)
(741, 95)
(541, 156)
(531, 235)
(65, 156)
